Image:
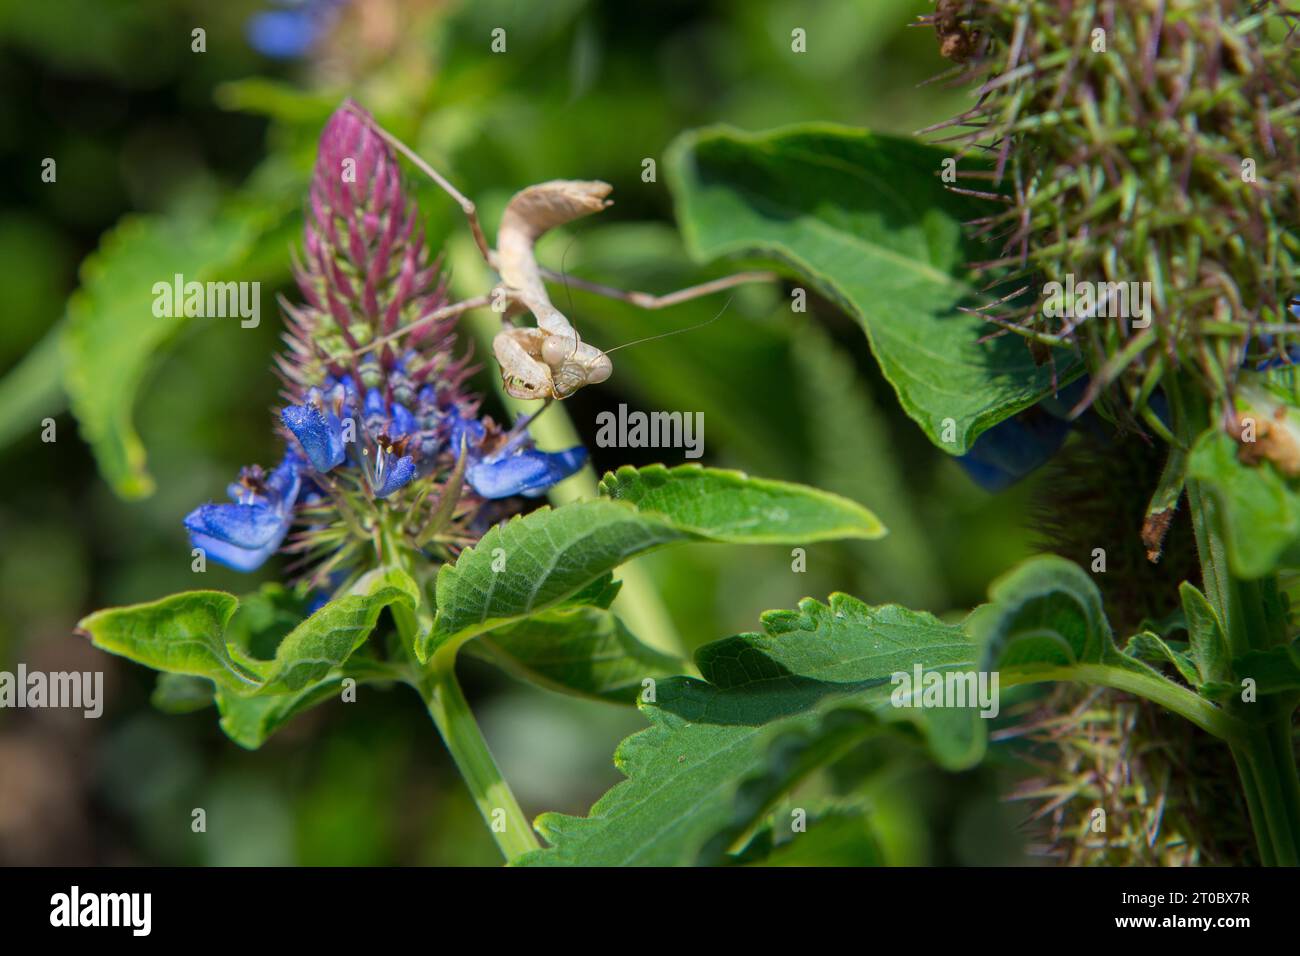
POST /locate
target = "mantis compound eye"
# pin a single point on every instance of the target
(558, 348)
(599, 370)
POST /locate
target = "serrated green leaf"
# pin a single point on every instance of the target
(331, 635)
(1045, 622)
(1047, 613)
(702, 773)
(585, 651)
(199, 633)
(793, 755)
(112, 334)
(1260, 509)
(180, 634)
(708, 735)
(865, 219)
(533, 563)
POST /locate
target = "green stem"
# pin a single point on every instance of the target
(1167, 694)
(1263, 751)
(438, 687)
(493, 796)
(1266, 762)
(442, 696)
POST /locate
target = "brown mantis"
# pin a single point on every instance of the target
(549, 360)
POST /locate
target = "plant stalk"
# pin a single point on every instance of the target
(460, 731)
(1263, 751)
(443, 698)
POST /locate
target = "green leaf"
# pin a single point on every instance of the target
(586, 651)
(865, 219)
(1260, 509)
(838, 836)
(111, 334)
(1152, 648)
(773, 708)
(1206, 637)
(208, 634)
(331, 635)
(180, 634)
(530, 564)
(729, 506)
(1045, 614)
(249, 721)
(793, 755)
(706, 736)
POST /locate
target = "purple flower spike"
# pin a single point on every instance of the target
(374, 397)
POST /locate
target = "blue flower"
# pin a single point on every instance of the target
(244, 534)
(512, 466)
(391, 472)
(530, 472)
(375, 430)
(291, 33)
(318, 430)
(1013, 448)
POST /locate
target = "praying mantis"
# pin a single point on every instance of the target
(550, 360)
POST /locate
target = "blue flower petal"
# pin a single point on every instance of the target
(402, 422)
(470, 430)
(240, 559)
(320, 434)
(244, 534)
(528, 473)
(397, 475)
(1012, 449)
(244, 526)
(285, 481)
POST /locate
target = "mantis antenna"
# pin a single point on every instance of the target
(664, 335)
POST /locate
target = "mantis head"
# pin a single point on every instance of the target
(573, 364)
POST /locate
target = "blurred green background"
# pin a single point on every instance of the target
(140, 123)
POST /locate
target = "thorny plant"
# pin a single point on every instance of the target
(1155, 142)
